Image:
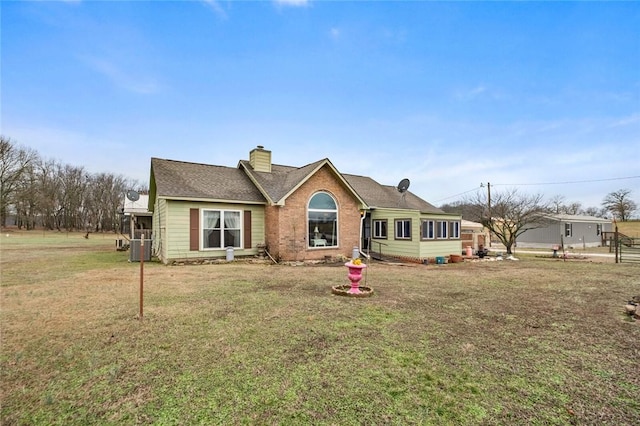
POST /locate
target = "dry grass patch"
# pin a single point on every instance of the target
(535, 341)
(630, 228)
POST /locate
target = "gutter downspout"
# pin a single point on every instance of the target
(362, 218)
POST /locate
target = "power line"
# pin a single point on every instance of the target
(567, 182)
(541, 183)
(457, 195)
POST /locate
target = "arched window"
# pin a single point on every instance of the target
(322, 220)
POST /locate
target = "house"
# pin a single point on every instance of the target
(474, 235)
(311, 212)
(136, 218)
(571, 230)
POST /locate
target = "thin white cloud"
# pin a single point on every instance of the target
(122, 79)
(626, 121)
(334, 33)
(470, 94)
(394, 35)
(292, 3)
(216, 7)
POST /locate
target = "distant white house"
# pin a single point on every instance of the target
(136, 217)
(571, 230)
(474, 235)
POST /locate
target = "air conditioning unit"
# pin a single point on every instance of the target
(135, 252)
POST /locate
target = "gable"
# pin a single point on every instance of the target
(283, 181)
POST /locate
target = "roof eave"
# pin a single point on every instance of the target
(210, 200)
(253, 180)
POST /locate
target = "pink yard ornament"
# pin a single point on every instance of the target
(355, 275)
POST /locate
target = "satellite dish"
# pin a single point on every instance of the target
(133, 195)
(403, 185)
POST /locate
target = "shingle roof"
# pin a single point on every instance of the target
(282, 179)
(377, 195)
(193, 180)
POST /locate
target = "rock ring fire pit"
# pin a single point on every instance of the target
(355, 275)
(343, 290)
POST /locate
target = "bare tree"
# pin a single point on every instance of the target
(620, 204)
(27, 198)
(73, 181)
(58, 196)
(462, 208)
(556, 204)
(50, 196)
(14, 160)
(510, 215)
(105, 197)
(572, 208)
(595, 211)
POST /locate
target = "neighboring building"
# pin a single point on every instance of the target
(572, 230)
(298, 213)
(474, 235)
(136, 218)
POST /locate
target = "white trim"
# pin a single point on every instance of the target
(442, 225)
(222, 229)
(336, 225)
(433, 229)
(380, 237)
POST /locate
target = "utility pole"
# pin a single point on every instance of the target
(489, 203)
(489, 207)
(489, 199)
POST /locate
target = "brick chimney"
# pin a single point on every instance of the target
(260, 159)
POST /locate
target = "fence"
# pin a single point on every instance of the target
(629, 250)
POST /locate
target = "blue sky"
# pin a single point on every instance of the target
(447, 94)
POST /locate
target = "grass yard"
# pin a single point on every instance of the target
(630, 228)
(537, 341)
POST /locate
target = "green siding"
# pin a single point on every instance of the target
(434, 248)
(391, 246)
(440, 248)
(159, 228)
(176, 242)
(414, 248)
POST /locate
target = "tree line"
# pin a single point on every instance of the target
(38, 192)
(617, 204)
(508, 214)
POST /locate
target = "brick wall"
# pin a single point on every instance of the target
(286, 226)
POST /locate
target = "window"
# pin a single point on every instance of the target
(220, 229)
(442, 229)
(454, 230)
(428, 229)
(322, 220)
(380, 229)
(598, 228)
(403, 229)
(568, 229)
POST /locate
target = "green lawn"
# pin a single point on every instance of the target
(537, 341)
